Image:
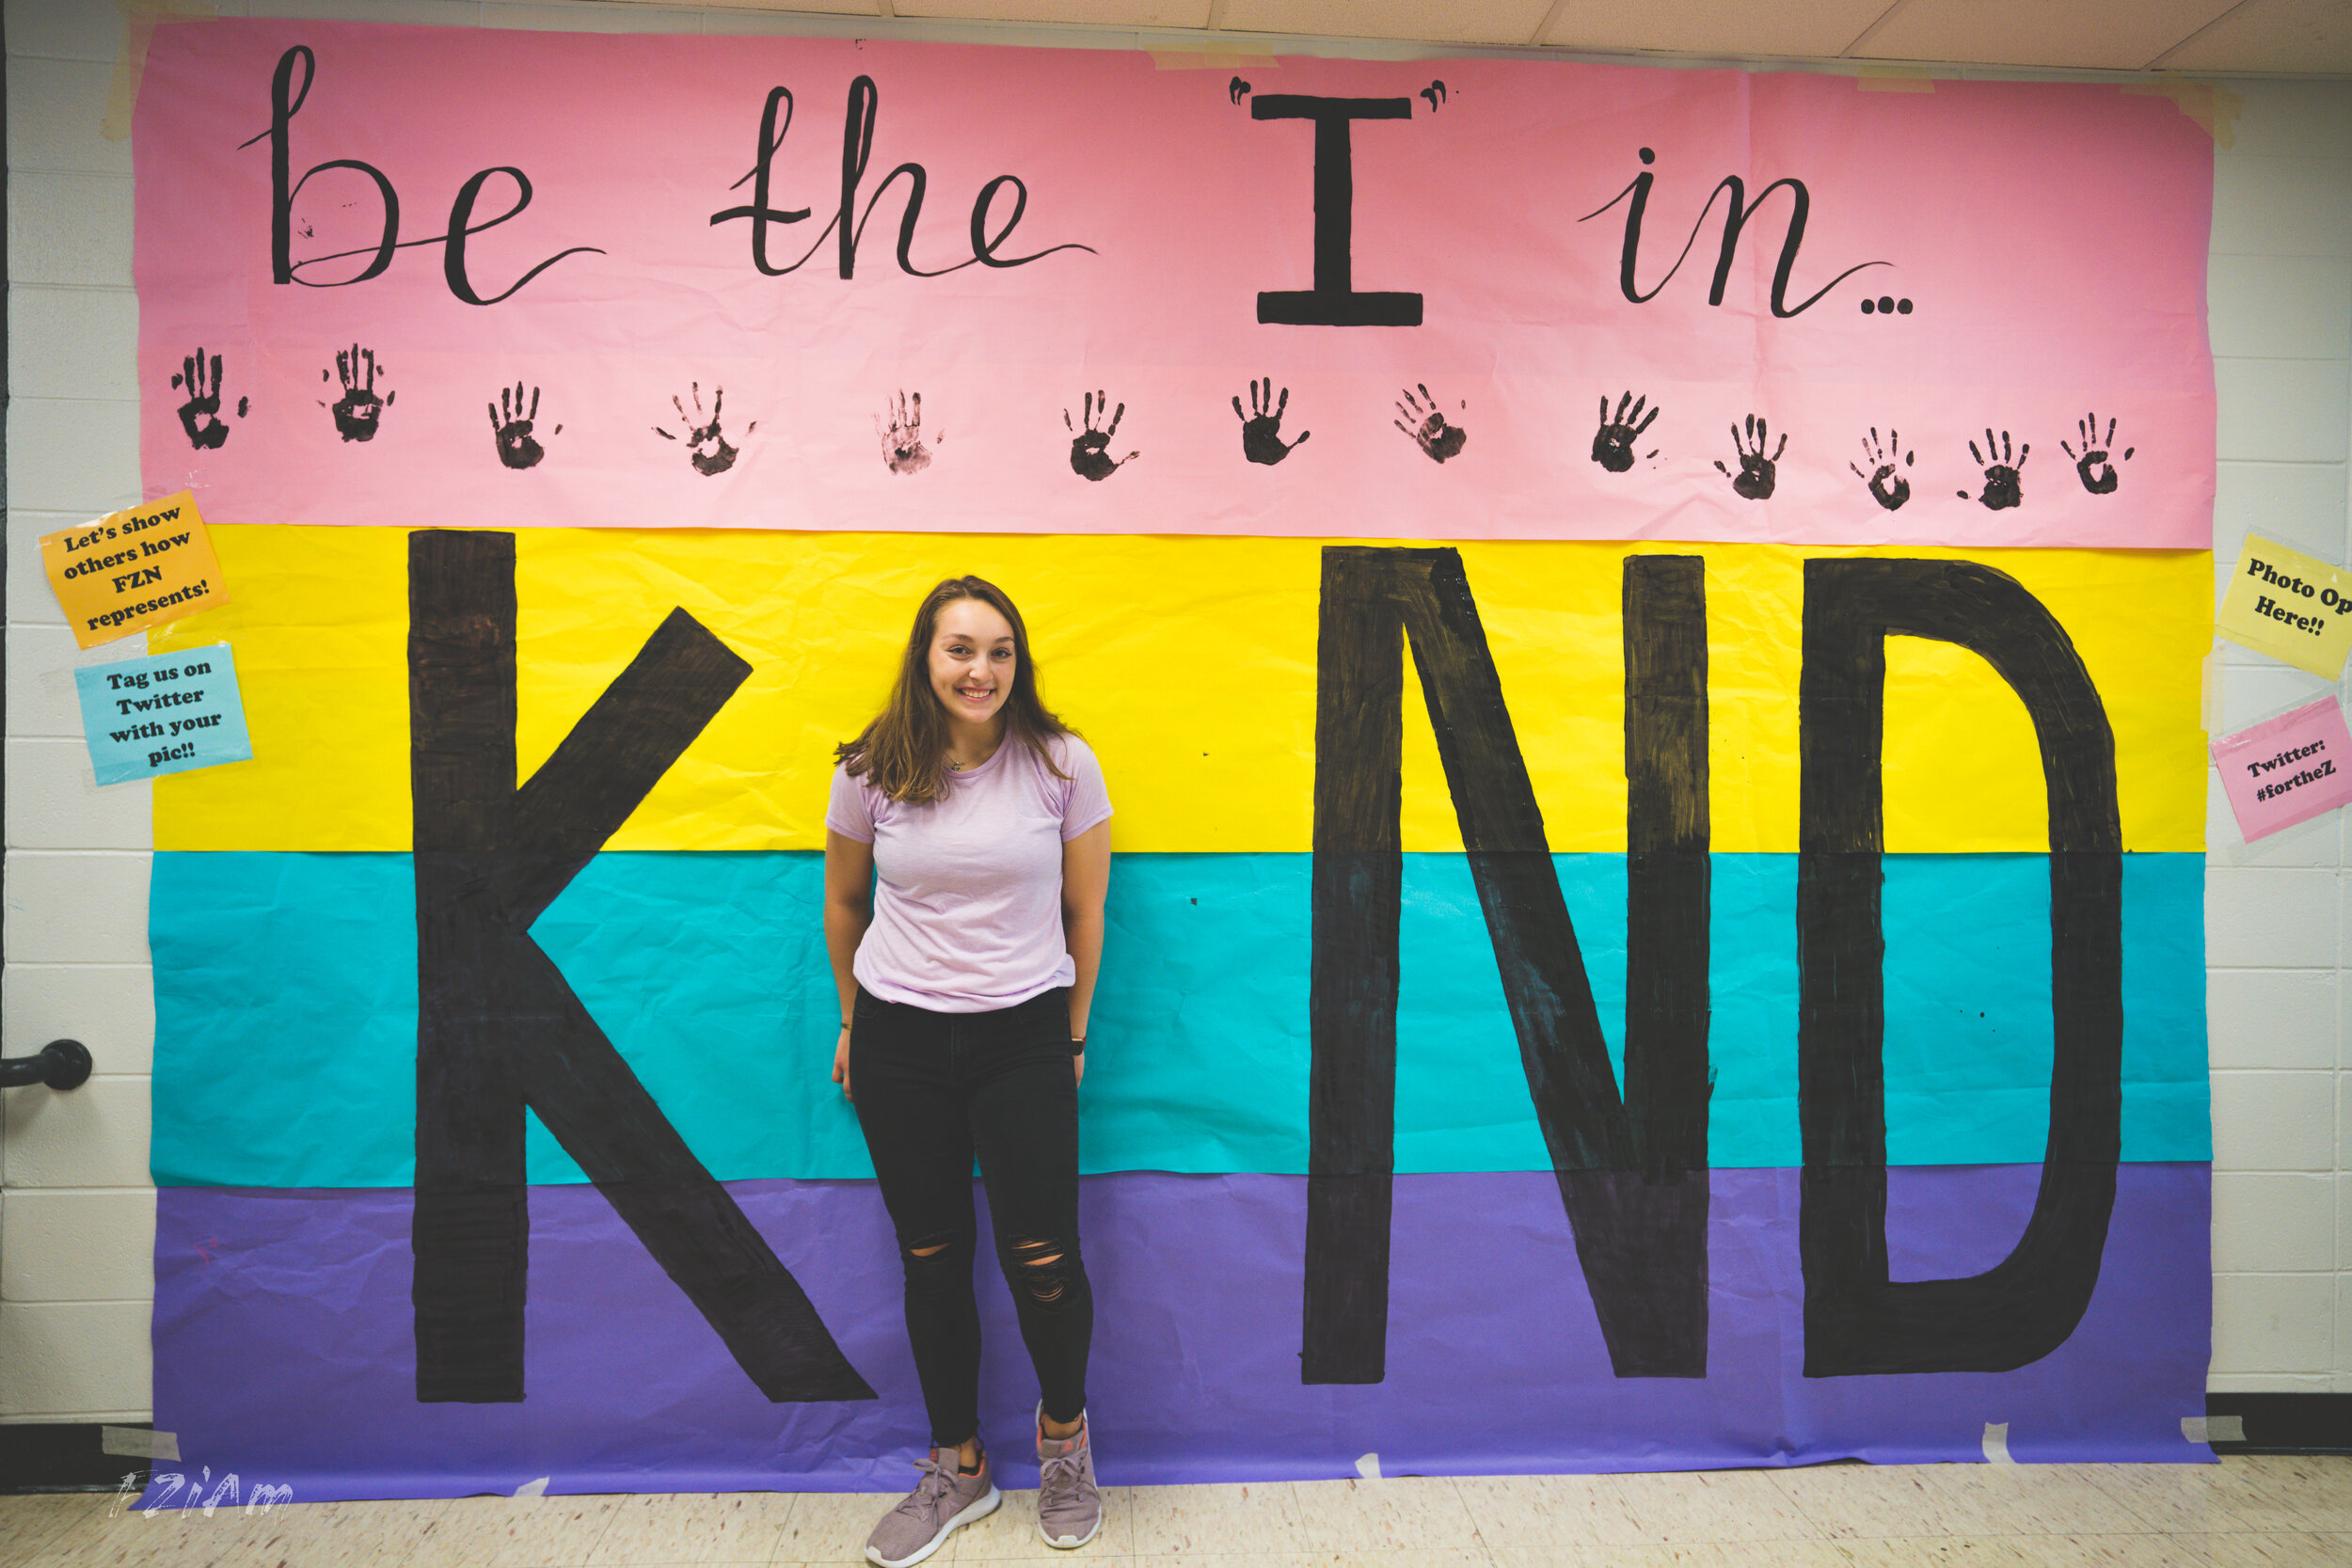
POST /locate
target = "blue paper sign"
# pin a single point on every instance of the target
(164, 714)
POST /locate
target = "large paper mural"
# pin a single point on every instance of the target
(1644, 627)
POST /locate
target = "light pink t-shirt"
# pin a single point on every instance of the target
(967, 894)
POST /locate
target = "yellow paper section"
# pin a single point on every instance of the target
(1189, 664)
(2291, 606)
(149, 566)
(321, 631)
(1962, 769)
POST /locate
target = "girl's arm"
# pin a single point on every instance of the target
(1086, 876)
(849, 910)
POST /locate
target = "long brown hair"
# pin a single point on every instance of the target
(903, 751)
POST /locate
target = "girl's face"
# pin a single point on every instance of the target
(972, 660)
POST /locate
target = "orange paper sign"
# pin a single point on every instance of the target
(148, 566)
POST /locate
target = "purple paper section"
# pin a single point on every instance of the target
(283, 1350)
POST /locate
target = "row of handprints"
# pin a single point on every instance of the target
(513, 420)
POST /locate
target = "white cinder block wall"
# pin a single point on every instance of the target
(2277, 927)
(77, 1213)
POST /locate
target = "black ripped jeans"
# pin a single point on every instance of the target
(932, 1090)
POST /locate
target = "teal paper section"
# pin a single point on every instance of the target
(285, 1019)
(1461, 1094)
(286, 1013)
(1967, 994)
(1968, 1036)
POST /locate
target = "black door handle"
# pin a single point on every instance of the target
(61, 1065)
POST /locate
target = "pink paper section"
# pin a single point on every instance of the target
(2052, 239)
(2287, 769)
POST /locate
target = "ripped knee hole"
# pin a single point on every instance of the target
(1036, 1259)
(934, 1249)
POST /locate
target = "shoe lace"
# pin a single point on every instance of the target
(935, 1485)
(1060, 1478)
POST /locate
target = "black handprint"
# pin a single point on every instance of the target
(2101, 483)
(1887, 488)
(903, 442)
(1612, 444)
(1425, 425)
(513, 423)
(358, 411)
(707, 450)
(1090, 453)
(200, 415)
(1758, 473)
(1262, 427)
(2001, 486)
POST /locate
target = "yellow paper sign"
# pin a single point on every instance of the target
(2290, 606)
(148, 566)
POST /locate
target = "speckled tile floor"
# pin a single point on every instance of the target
(2245, 1512)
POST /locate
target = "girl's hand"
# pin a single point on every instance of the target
(1078, 1064)
(841, 1065)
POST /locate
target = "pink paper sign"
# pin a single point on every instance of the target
(2287, 769)
(496, 278)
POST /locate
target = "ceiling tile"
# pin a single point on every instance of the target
(2301, 36)
(830, 8)
(1083, 13)
(521, 16)
(2040, 32)
(778, 10)
(1715, 26)
(556, 13)
(1455, 21)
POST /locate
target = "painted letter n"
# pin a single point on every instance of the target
(1631, 1170)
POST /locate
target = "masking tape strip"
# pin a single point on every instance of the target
(2213, 106)
(139, 18)
(1893, 78)
(1223, 56)
(2214, 1429)
(138, 1442)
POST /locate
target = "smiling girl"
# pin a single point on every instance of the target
(981, 827)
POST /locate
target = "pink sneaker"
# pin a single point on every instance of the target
(1069, 1505)
(942, 1503)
